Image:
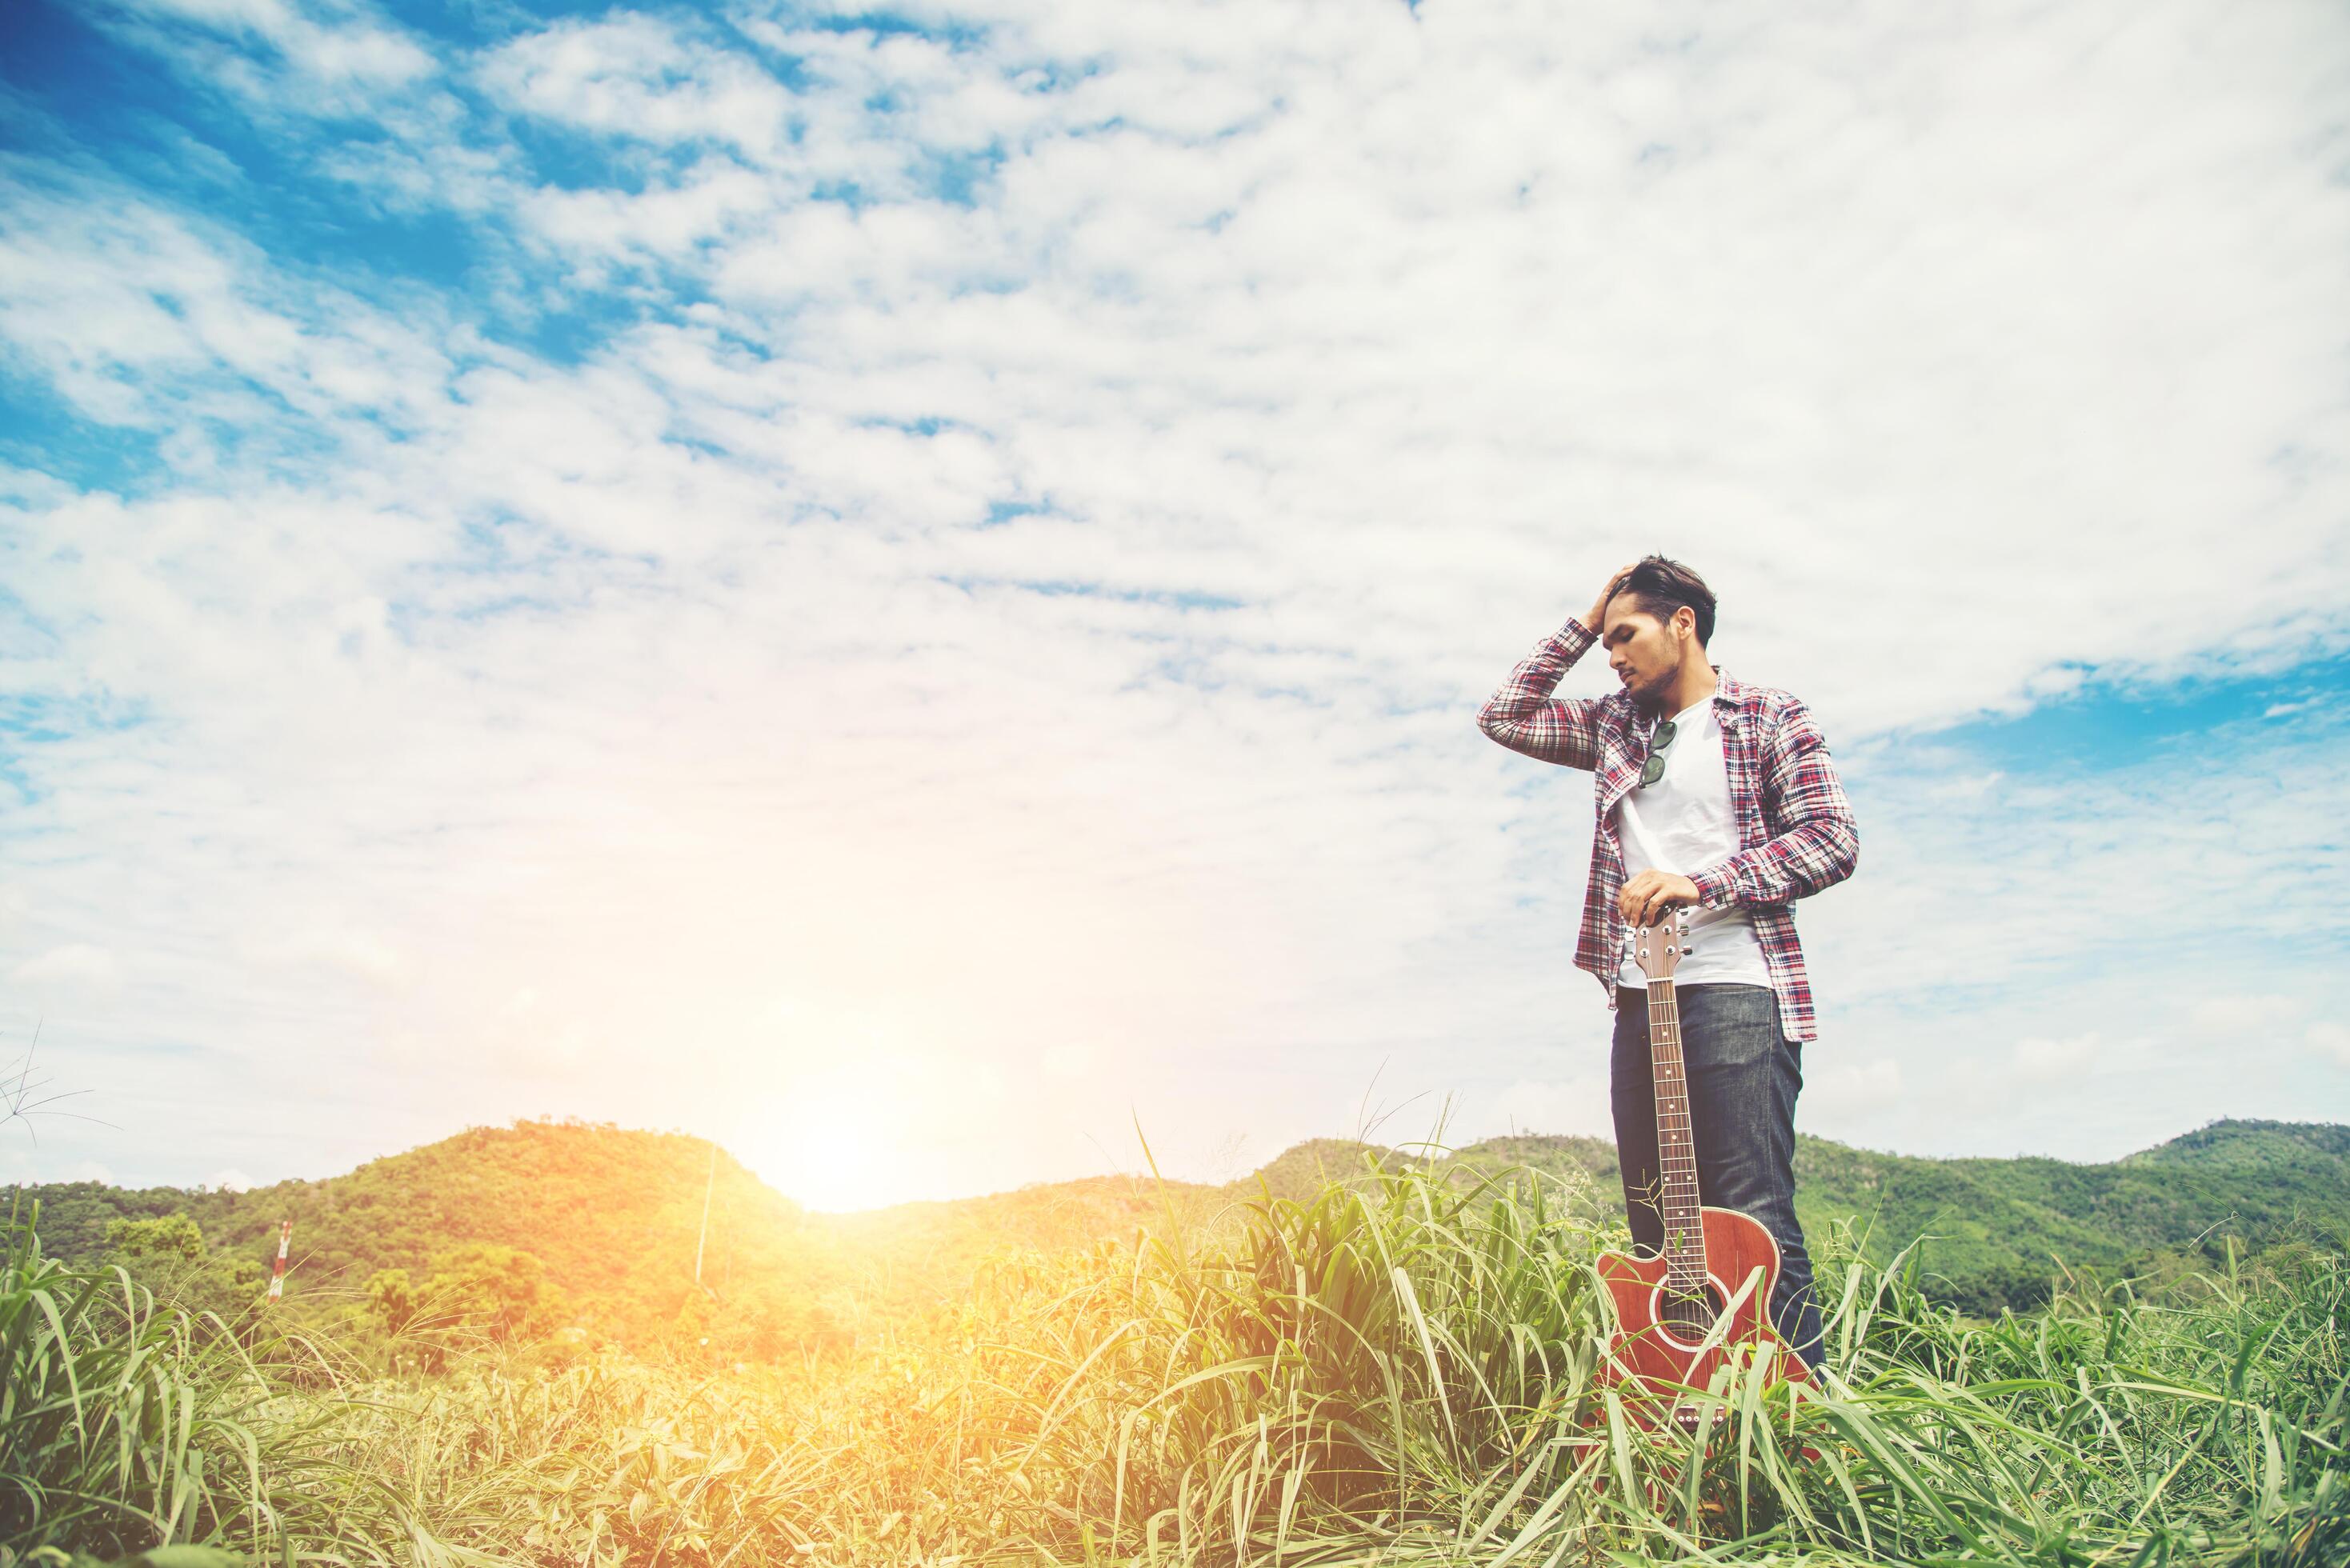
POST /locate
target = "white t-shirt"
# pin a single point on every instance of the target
(1683, 822)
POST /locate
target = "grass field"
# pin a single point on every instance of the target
(1392, 1372)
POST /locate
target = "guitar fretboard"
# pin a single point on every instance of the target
(1675, 1156)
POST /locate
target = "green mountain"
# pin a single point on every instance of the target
(1999, 1229)
(616, 1216)
(613, 1215)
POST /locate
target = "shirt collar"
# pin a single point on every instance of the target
(1729, 692)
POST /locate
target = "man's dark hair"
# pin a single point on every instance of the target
(1661, 586)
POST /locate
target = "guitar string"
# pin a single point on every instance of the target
(1685, 1267)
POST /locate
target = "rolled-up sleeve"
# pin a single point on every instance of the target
(1814, 841)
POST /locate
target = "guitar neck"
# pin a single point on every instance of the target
(1676, 1155)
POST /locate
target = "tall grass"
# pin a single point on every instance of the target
(128, 1424)
(1397, 1370)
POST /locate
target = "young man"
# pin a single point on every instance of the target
(1719, 795)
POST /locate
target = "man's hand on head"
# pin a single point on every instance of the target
(1595, 618)
(1646, 897)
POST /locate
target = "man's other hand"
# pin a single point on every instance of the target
(1651, 893)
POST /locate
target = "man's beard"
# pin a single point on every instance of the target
(1649, 697)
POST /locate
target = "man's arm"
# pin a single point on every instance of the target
(1523, 715)
(1815, 841)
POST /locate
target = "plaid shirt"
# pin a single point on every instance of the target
(1796, 829)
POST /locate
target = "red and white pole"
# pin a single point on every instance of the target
(277, 1275)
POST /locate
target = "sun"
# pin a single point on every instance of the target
(828, 1154)
(840, 1107)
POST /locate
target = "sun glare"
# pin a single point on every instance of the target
(830, 1155)
(844, 1102)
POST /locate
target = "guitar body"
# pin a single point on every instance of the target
(1663, 1358)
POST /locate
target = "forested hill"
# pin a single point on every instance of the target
(614, 1215)
(2000, 1229)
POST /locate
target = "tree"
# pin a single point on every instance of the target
(477, 1294)
(391, 1300)
(501, 1293)
(167, 1236)
(167, 1255)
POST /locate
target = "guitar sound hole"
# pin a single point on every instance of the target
(1688, 1315)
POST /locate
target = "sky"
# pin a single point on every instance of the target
(908, 590)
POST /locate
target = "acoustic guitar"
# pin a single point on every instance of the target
(1670, 1334)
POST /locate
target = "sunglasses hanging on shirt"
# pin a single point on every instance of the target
(1653, 768)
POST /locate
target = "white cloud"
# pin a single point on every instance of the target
(1574, 1104)
(1067, 1059)
(326, 60)
(1968, 787)
(633, 76)
(2331, 1039)
(2233, 1015)
(1843, 1096)
(2089, 875)
(138, 314)
(353, 952)
(72, 964)
(39, 1167)
(667, 221)
(2044, 1061)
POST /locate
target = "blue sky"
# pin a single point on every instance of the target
(897, 587)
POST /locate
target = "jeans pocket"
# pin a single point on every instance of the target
(1731, 1027)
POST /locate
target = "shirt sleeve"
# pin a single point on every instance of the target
(1523, 715)
(1815, 841)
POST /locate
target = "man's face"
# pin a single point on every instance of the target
(1644, 652)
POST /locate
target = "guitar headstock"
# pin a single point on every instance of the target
(1659, 949)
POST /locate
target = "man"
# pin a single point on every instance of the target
(1720, 796)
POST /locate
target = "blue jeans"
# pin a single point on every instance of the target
(1743, 1076)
